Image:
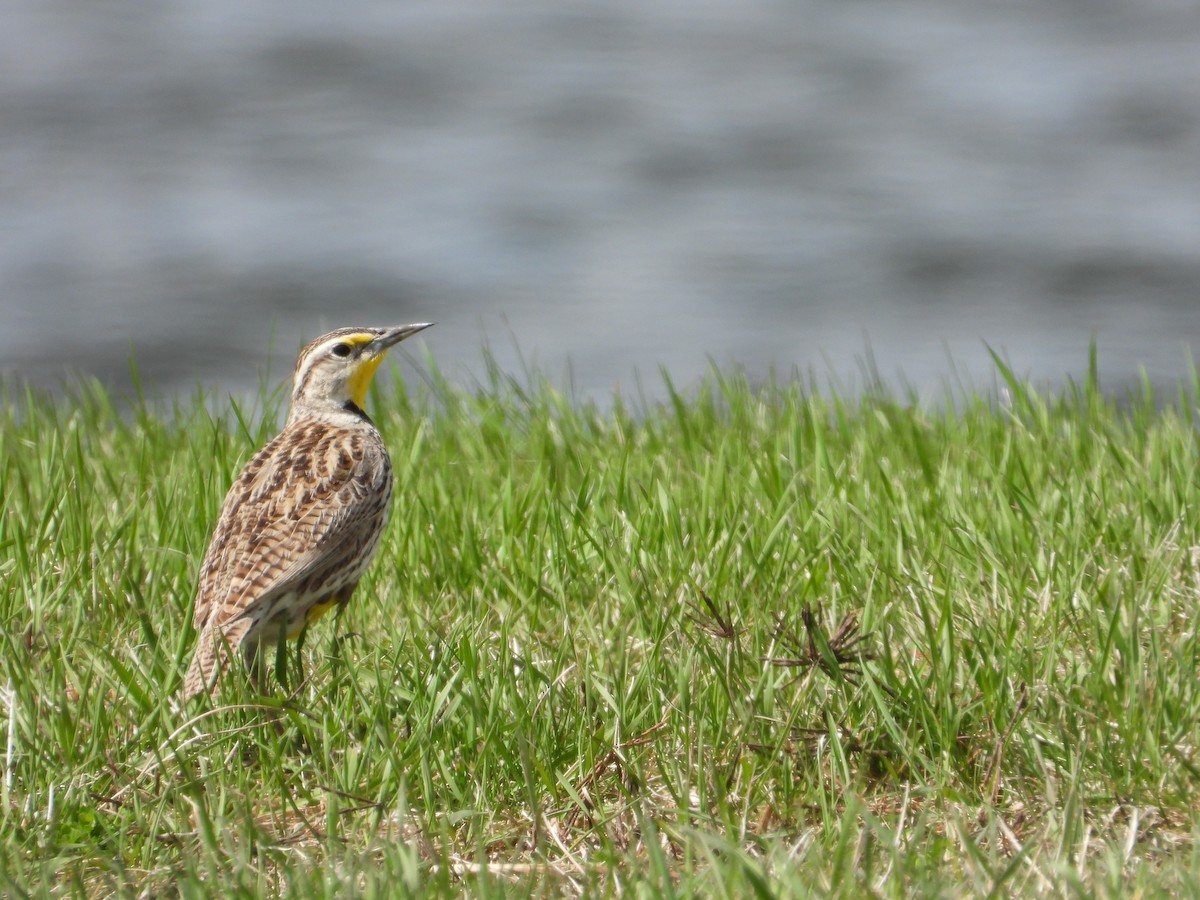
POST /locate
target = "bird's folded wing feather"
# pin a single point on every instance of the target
(296, 501)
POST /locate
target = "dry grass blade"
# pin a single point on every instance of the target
(612, 758)
(713, 620)
(840, 655)
(991, 779)
(803, 739)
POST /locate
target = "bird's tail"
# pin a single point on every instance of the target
(211, 660)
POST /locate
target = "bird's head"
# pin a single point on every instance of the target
(337, 368)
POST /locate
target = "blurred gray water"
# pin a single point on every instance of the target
(620, 184)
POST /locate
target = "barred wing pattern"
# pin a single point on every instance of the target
(297, 528)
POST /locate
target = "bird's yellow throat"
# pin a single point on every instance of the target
(361, 380)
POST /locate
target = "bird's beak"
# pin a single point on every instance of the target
(395, 336)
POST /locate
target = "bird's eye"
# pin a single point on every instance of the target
(342, 350)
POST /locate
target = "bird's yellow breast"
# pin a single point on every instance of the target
(314, 612)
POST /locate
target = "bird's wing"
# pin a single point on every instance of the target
(299, 499)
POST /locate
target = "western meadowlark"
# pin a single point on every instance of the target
(301, 523)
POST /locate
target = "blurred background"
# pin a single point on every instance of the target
(610, 186)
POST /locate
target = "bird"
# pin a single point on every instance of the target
(300, 525)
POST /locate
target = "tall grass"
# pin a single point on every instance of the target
(756, 639)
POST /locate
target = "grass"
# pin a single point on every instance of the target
(755, 640)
